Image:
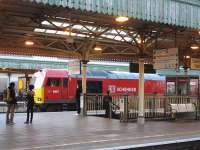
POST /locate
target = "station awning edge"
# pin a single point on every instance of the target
(184, 13)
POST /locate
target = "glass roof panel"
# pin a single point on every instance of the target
(65, 24)
(58, 24)
(82, 31)
(62, 33)
(46, 23)
(39, 30)
(51, 31)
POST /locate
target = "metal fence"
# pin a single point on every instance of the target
(95, 102)
(156, 107)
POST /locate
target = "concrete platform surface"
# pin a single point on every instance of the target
(65, 130)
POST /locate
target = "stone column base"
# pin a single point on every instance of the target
(141, 120)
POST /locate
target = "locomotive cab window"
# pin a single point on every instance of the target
(65, 82)
(53, 82)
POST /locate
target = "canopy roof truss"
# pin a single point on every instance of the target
(64, 32)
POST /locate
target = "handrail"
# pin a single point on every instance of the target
(115, 105)
(155, 106)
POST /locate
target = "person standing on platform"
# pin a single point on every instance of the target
(78, 96)
(107, 99)
(30, 103)
(11, 103)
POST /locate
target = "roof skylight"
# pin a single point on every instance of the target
(82, 31)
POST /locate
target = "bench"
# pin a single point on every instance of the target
(183, 108)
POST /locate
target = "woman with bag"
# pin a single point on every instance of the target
(11, 103)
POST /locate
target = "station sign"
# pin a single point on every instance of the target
(74, 67)
(195, 63)
(165, 58)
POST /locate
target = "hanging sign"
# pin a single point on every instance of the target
(195, 63)
(74, 67)
(166, 58)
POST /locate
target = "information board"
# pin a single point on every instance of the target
(166, 58)
(195, 63)
(74, 67)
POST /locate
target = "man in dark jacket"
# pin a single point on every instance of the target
(107, 99)
(30, 103)
(11, 103)
(78, 95)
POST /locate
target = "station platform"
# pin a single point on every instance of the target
(66, 130)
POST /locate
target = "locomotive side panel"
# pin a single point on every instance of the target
(120, 86)
(161, 87)
(123, 86)
(152, 87)
(149, 87)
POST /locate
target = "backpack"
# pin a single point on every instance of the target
(4, 95)
(8, 97)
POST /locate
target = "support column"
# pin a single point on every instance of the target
(84, 76)
(141, 113)
(84, 87)
(9, 78)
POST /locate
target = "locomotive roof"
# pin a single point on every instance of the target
(53, 72)
(120, 75)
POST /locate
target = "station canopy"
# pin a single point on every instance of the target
(174, 12)
(73, 28)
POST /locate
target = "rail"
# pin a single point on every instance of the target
(94, 104)
(156, 107)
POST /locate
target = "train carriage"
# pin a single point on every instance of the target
(57, 87)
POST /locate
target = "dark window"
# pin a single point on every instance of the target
(65, 82)
(53, 82)
(148, 68)
(94, 86)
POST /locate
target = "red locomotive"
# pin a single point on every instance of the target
(58, 87)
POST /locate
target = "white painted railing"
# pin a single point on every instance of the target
(155, 106)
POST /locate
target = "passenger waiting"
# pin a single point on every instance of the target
(78, 96)
(11, 103)
(107, 99)
(30, 104)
